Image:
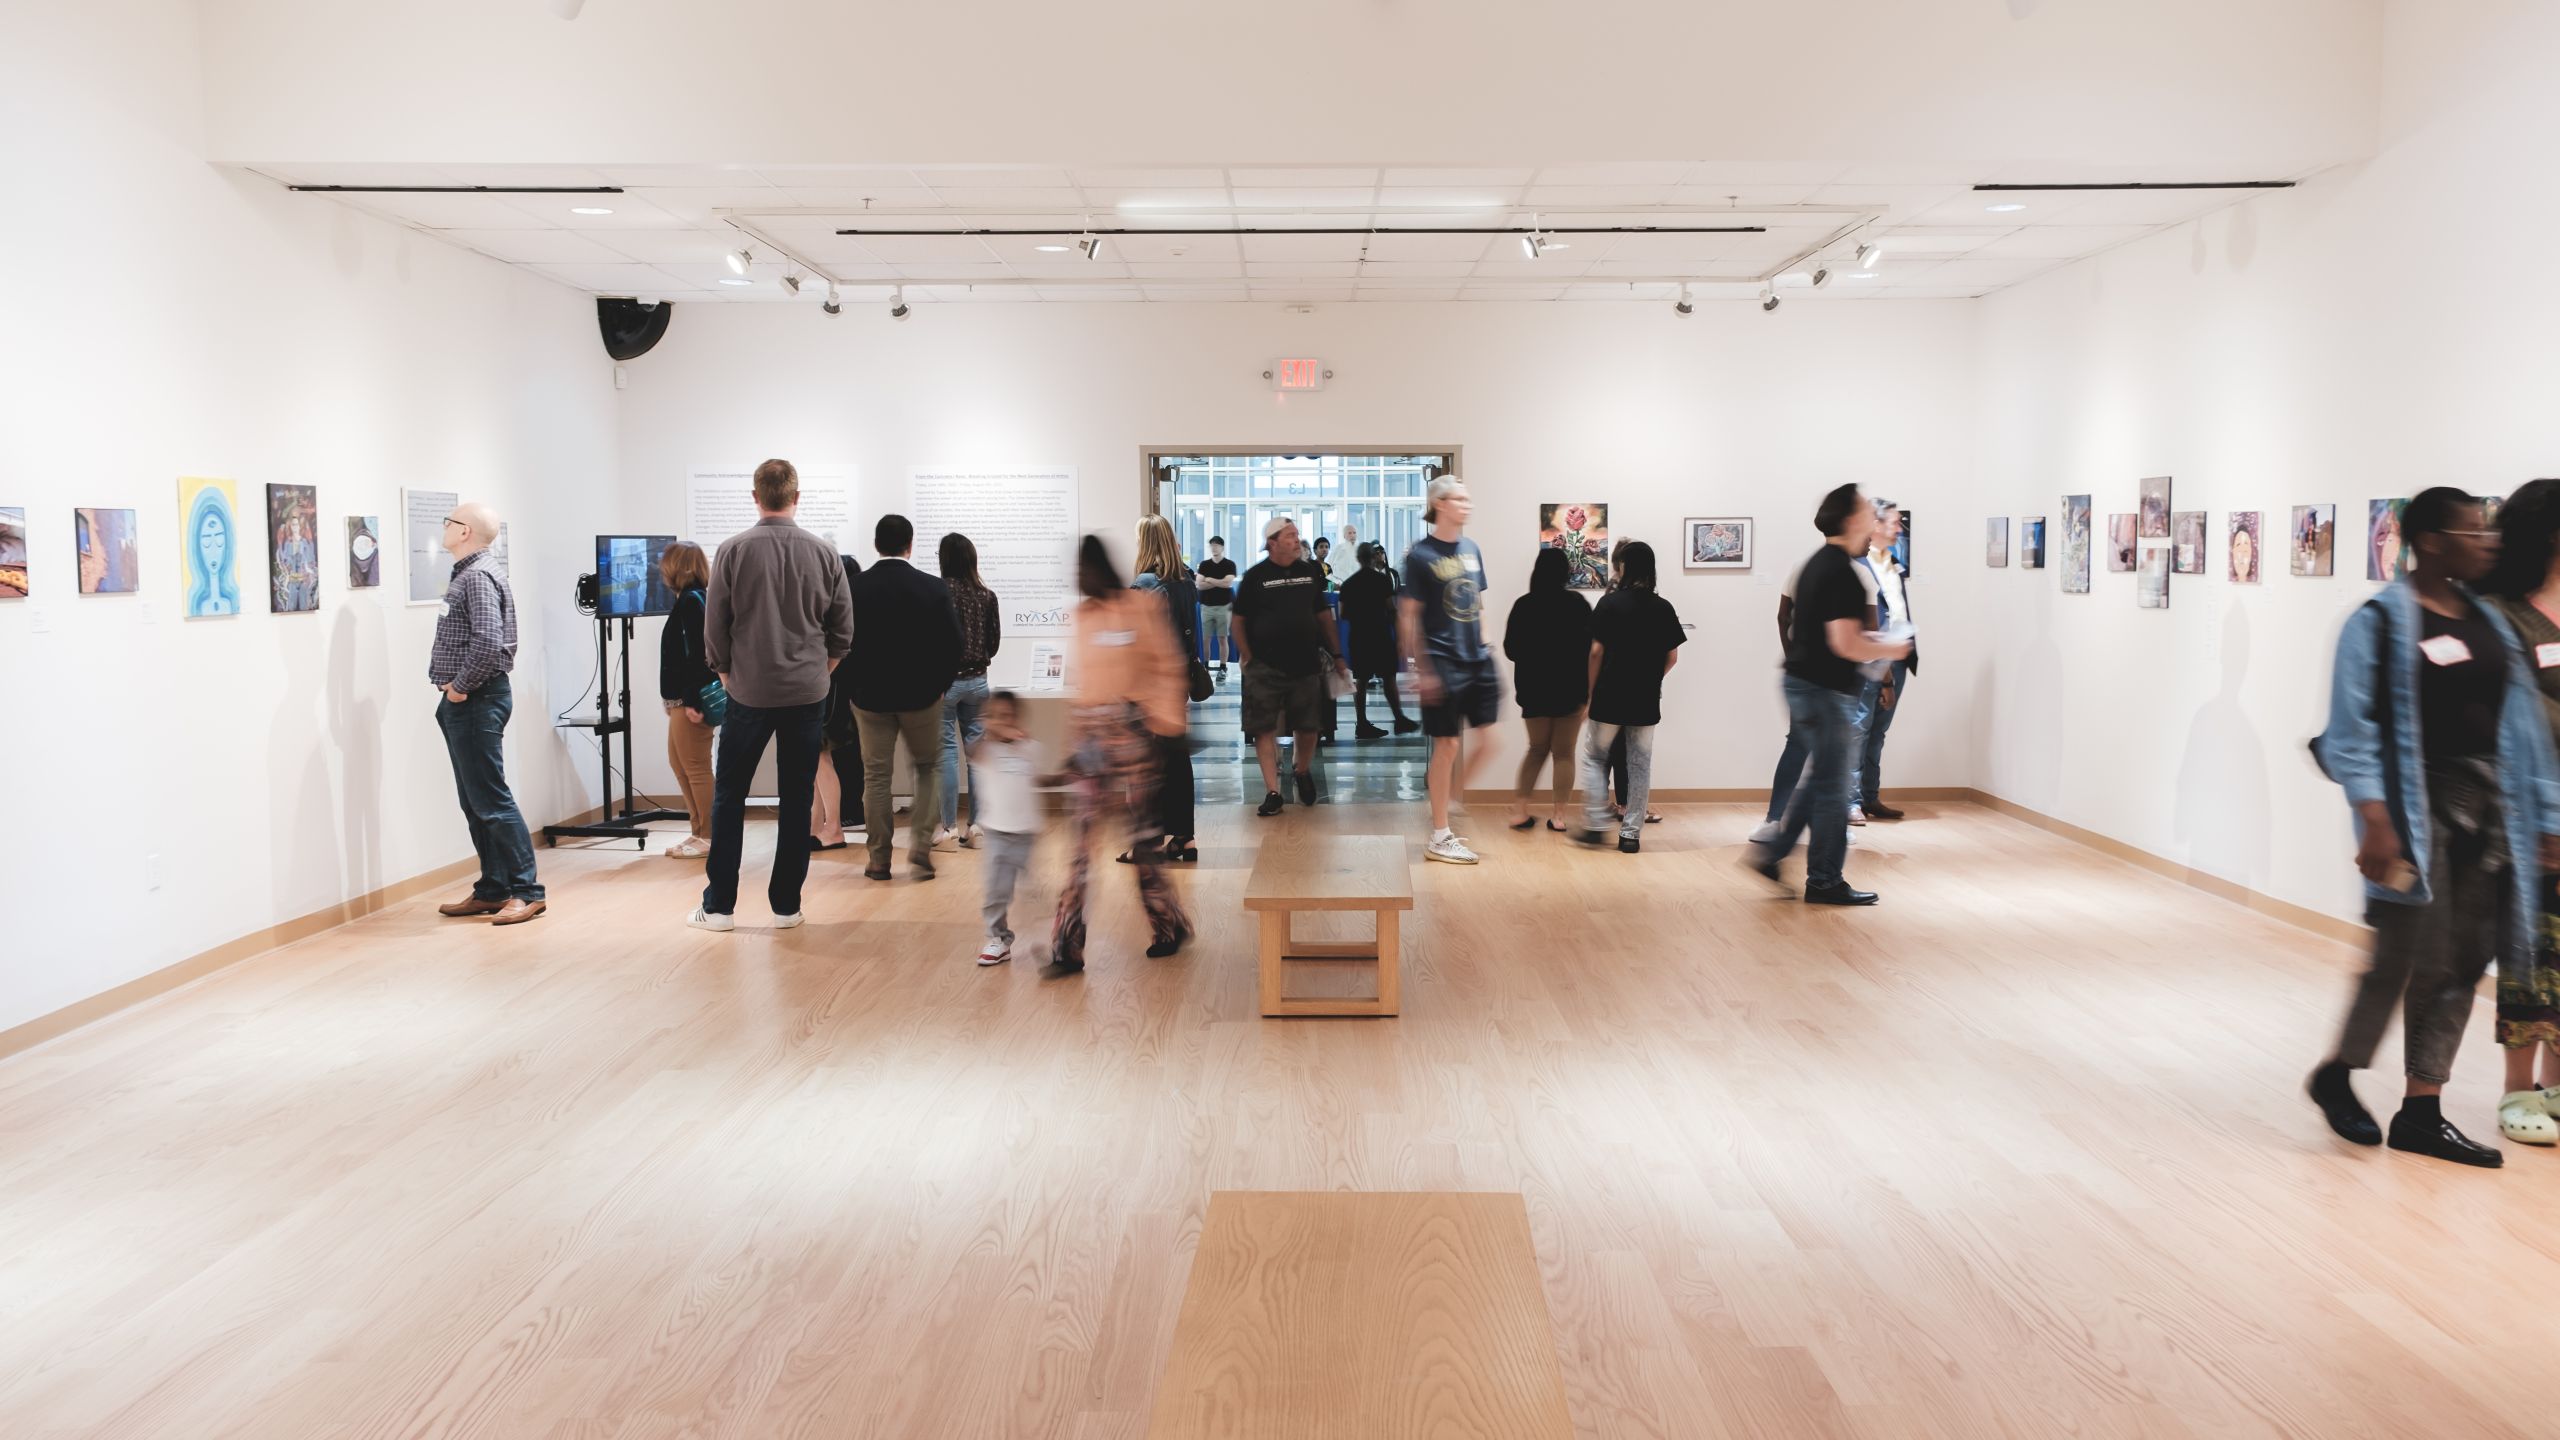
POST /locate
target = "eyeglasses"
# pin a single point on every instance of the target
(450, 520)
(2474, 534)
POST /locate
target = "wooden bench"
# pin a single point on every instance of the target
(1344, 1316)
(1305, 871)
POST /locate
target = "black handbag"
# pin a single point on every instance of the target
(1202, 687)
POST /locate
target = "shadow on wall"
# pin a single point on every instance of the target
(2223, 797)
(297, 776)
(356, 674)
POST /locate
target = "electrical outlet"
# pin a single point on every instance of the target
(151, 871)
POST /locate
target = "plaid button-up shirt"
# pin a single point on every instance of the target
(476, 635)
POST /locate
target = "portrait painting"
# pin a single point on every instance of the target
(2315, 539)
(2244, 547)
(293, 555)
(209, 546)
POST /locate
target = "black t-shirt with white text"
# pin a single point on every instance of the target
(1827, 590)
(1218, 569)
(1280, 609)
(1636, 630)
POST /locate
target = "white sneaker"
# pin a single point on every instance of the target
(969, 837)
(995, 951)
(689, 848)
(945, 838)
(1768, 832)
(1857, 815)
(1452, 848)
(788, 922)
(702, 921)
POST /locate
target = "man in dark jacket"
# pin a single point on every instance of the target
(906, 649)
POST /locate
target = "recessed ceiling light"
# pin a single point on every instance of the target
(2005, 207)
(1051, 249)
(588, 210)
(726, 280)
(1862, 275)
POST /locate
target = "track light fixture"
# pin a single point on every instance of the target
(1682, 307)
(1821, 277)
(1090, 247)
(739, 260)
(1868, 255)
(1768, 298)
(834, 304)
(791, 281)
(898, 303)
(1532, 245)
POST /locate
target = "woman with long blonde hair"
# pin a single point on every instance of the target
(1160, 569)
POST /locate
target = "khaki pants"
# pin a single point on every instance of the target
(881, 732)
(1550, 737)
(689, 755)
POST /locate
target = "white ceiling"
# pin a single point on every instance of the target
(671, 227)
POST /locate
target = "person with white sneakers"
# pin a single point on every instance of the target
(1005, 802)
(1441, 615)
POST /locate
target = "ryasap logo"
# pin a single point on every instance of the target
(1027, 618)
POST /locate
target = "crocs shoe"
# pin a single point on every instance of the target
(2522, 1119)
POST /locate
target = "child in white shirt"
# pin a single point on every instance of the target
(1004, 785)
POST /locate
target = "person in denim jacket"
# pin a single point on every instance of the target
(2437, 736)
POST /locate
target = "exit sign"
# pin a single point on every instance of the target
(1297, 374)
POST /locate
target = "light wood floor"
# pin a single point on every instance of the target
(2021, 1153)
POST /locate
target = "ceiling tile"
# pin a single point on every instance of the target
(616, 279)
(519, 175)
(1069, 268)
(944, 270)
(655, 247)
(1461, 178)
(926, 249)
(838, 177)
(2137, 207)
(715, 276)
(1261, 198)
(1126, 198)
(1737, 195)
(1545, 267)
(853, 200)
(1302, 270)
(1287, 177)
(367, 174)
(2071, 241)
(1463, 248)
(693, 206)
(444, 212)
(1469, 198)
(1192, 248)
(1093, 294)
(526, 247)
(1427, 269)
(690, 177)
(1310, 293)
(1409, 294)
(1010, 197)
(1187, 270)
(1698, 248)
(1623, 293)
(629, 212)
(1301, 247)
(1512, 292)
(1144, 179)
(1543, 194)
(1916, 240)
(990, 177)
(1648, 173)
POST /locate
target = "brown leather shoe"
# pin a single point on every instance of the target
(919, 864)
(516, 912)
(472, 905)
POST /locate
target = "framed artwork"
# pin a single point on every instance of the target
(209, 546)
(1901, 551)
(2151, 579)
(1716, 545)
(1581, 531)
(2315, 539)
(2031, 543)
(13, 553)
(2384, 553)
(2186, 537)
(2075, 544)
(2120, 542)
(2244, 548)
(110, 555)
(293, 556)
(422, 515)
(2155, 508)
(364, 551)
(1995, 542)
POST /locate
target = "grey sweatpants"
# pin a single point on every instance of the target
(2428, 960)
(1007, 856)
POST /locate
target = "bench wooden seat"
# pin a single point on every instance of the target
(1297, 871)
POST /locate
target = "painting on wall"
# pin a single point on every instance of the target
(2315, 539)
(1716, 545)
(2155, 508)
(2151, 580)
(422, 515)
(2186, 539)
(1995, 541)
(13, 553)
(2075, 544)
(2120, 542)
(293, 556)
(2031, 543)
(209, 546)
(2245, 547)
(1581, 531)
(2383, 553)
(364, 551)
(110, 556)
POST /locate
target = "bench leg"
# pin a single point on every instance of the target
(1389, 952)
(1275, 945)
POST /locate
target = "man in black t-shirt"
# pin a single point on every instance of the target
(1217, 577)
(1284, 633)
(1826, 645)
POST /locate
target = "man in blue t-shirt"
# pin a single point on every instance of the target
(1441, 615)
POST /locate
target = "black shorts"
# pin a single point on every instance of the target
(1470, 697)
(1281, 704)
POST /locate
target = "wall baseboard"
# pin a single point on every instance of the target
(257, 942)
(1758, 796)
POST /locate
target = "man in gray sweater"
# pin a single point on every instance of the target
(780, 619)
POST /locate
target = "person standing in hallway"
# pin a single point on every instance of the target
(1130, 695)
(685, 683)
(1783, 784)
(1548, 641)
(1881, 700)
(1369, 611)
(1285, 637)
(1217, 577)
(2525, 585)
(1442, 615)
(779, 622)
(906, 651)
(2436, 734)
(1635, 640)
(981, 621)
(1161, 572)
(1830, 638)
(475, 649)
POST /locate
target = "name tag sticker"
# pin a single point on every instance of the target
(2546, 656)
(2448, 649)
(1127, 637)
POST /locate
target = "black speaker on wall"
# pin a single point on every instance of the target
(630, 328)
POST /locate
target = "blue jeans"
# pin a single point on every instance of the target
(1873, 721)
(960, 730)
(1597, 738)
(1820, 811)
(1782, 785)
(474, 732)
(799, 730)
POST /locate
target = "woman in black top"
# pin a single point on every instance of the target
(1369, 609)
(1635, 640)
(1548, 641)
(682, 677)
(1160, 569)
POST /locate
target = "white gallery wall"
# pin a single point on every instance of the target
(2387, 327)
(1730, 412)
(173, 319)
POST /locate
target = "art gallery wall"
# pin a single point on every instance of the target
(1730, 412)
(170, 319)
(2383, 328)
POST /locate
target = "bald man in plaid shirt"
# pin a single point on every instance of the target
(475, 648)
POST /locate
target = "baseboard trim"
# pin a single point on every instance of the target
(257, 942)
(1759, 796)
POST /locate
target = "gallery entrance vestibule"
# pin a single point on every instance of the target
(1234, 493)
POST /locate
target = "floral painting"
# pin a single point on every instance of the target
(1581, 531)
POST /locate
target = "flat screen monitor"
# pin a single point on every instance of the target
(627, 579)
